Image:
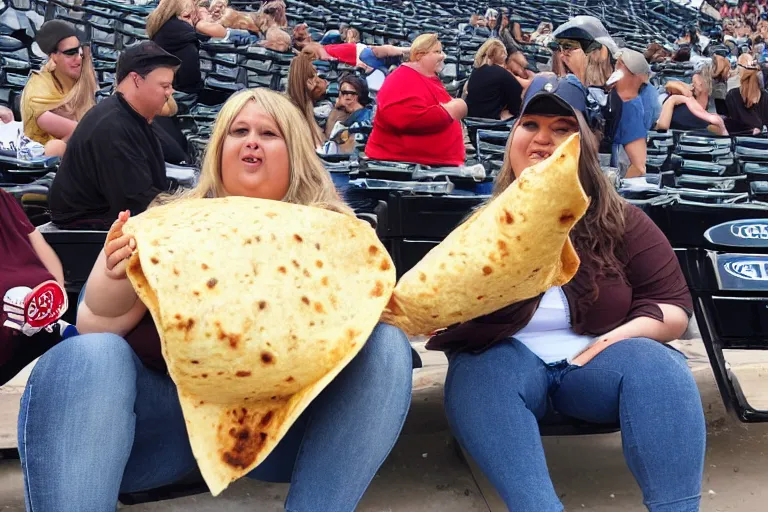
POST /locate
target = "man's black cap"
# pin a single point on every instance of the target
(51, 33)
(143, 58)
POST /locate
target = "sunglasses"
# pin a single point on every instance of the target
(348, 93)
(567, 46)
(71, 52)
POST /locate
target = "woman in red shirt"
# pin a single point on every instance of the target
(417, 120)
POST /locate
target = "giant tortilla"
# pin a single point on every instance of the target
(259, 305)
(513, 249)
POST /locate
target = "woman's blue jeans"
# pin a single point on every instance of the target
(95, 422)
(494, 399)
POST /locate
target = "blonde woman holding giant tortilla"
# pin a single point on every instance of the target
(594, 349)
(100, 414)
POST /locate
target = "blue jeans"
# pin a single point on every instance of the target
(494, 399)
(95, 422)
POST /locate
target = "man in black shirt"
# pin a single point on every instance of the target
(114, 161)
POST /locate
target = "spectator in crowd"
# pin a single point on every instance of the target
(594, 349)
(352, 36)
(416, 119)
(491, 18)
(29, 270)
(114, 386)
(305, 88)
(517, 64)
(630, 126)
(114, 161)
(492, 91)
(301, 36)
(277, 40)
(747, 105)
(690, 108)
(586, 49)
(656, 54)
(171, 26)
(720, 73)
(57, 97)
(506, 33)
(353, 106)
(359, 55)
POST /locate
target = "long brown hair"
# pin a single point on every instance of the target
(301, 70)
(599, 236)
(750, 82)
(598, 67)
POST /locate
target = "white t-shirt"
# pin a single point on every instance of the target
(549, 334)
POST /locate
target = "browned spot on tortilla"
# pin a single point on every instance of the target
(508, 217)
(195, 293)
(248, 241)
(324, 281)
(480, 297)
(272, 237)
(566, 217)
(202, 402)
(523, 218)
(442, 266)
(502, 245)
(267, 358)
(185, 326)
(378, 289)
(243, 373)
(319, 264)
(384, 265)
(305, 300)
(290, 379)
(451, 253)
(422, 276)
(334, 301)
(176, 271)
(262, 304)
(258, 238)
(154, 242)
(295, 263)
(535, 270)
(246, 448)
(306, 273)
(204, 266)
(319, 308)
(373, 250)
(518, 238)
(297, 237)
(154, 260)
(317, 246)
(271, 215)
(177, 316)
(487, 270)
(520, 184)
(211, 282)
(205, 375)
(233, 338)
(282, 270)
(195, 361)
(492, 257)
(219, 373)
(435, 316)
(265, 420)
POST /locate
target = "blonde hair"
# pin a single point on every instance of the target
(750, 82)
(164, 11)
(310, 183)
(301, 70)
(489, 52)
(82, 97)
(705, 73)
(422, 44)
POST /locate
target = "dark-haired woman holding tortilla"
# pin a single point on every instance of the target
(594, 349)
(101, 416)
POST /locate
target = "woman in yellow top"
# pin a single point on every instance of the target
(58, 96)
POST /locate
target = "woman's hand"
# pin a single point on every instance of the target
(590, 352)
(456, 108)
(6, 115)
(118, 248)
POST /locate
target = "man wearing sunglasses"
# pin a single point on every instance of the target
(59, 95)
(352, 106)
(114, 161)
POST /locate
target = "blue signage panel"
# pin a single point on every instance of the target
(744, 272)
(740, 233)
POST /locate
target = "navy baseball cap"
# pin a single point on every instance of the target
(549, 95)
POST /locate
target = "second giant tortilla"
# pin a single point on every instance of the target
(513, 249)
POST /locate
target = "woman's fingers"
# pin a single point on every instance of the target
(118, 256)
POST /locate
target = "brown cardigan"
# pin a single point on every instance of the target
(654, 277)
